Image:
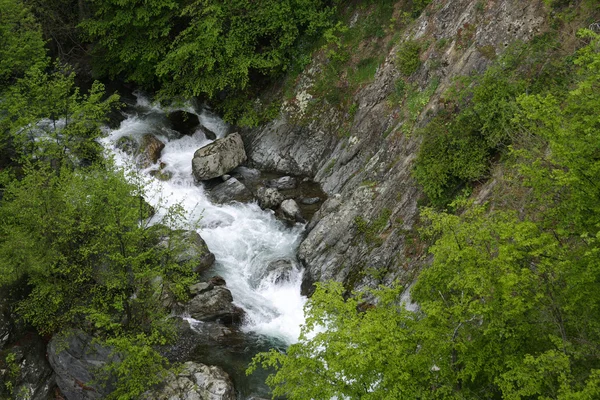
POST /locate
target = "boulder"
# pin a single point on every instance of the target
(201, 287)
(149, 151)
(268, 197)
(26, 370)
(283, 183)
(218, 157)
(195, 381)
(215, 305)
(77, 361)
(290, 211)
(230, 190)
(184, 122)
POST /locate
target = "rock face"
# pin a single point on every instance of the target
(76, 359)
(218, 158)
(368, 219)
(215, 304)
(196, 382)
(34, 378)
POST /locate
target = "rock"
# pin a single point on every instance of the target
(189, 246)
(268, 197)
(201, 287)
(76, 360)
(195, 382)
(34, 378)
(215, 305)
(309, 200)
(283, 183)
(289, 211)
(209, 134)
(218, 157)
(248, 175)
(230, 190)
(184, 122)
(226, 177)
(149, 151)
(277, 271)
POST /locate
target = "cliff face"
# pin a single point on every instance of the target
(363, 234)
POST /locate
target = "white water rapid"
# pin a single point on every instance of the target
(243, 238)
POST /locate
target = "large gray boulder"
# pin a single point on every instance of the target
(215, 304)
(195, 381)
(218, 158)
(188, 246)
(77, 362)
(290, 211)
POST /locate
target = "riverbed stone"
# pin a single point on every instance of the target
(183, 122)
(230, 190)
(283, 183)
(218, 157)
(290, 211)
(195, 381)
(268, 197)
(150, 149)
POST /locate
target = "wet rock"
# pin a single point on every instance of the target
(276, 272)
(226, 177)
(230, 190)
(150, 150)
(247, 175)
(195, 382)
(215, 305)
(209, 134)
(218, 157)
(34, 378)
(184, 122)
(283, 183)
(309, 201)
(290, 211)
(268, 197)
(76, 360)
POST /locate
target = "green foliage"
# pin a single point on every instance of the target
(21, 43)
(458, 146)
(48, 118)
(407, 58)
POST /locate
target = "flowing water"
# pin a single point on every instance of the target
(243, 238)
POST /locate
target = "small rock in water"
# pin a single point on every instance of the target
(290, 211)
(308, 201)
(268, 197)
(150, 150)
(230, 190)
(210, 135)
(283, 183)
(225, 177)
(184, 122)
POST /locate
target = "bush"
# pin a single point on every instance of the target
(408, 57)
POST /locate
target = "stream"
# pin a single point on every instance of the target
(243, 237)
